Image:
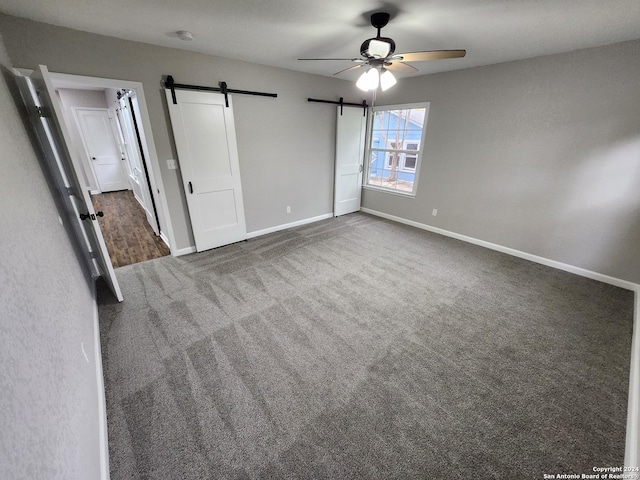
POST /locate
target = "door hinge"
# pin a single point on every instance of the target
(70, 191)
(41, 112)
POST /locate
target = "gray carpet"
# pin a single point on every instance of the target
(361, 348)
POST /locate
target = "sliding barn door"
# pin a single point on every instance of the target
(205, 136)
(350, 140)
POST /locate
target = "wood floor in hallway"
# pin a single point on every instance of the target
(128, 236)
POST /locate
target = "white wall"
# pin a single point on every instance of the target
(539, 155)
(48, 388)
(286, 145)
(81, 98)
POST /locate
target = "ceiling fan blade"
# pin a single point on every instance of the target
(431, 55)
(400, 67)
(350, 68)
(349, 59)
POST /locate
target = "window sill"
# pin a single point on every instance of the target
(398, 193)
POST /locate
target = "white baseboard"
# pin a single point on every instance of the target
(257, 233)
(510, 251)
(164, 238)
(95, 192)
(284, 226)
(102, 401)
(183, 251)
(632, 447)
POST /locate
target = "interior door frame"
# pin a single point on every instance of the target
(152, 164)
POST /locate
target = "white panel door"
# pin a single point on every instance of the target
(101, 149)
(204, 131)
(66, 170)
(127, 131)
(350, 140)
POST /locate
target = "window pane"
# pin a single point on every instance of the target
(383, 173)
(397, 126)
(395, 132)
(410, 162)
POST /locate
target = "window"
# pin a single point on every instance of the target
(395, 147)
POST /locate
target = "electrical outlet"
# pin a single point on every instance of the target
(288, 209)
(434, 212)
(171, 164)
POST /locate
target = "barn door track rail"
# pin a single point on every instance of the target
(222, 87)
(342, 103)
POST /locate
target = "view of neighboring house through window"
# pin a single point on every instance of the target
(395, 146)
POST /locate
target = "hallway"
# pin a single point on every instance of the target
(128, 236)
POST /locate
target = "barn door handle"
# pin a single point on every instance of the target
(85, 216)
(190, 188)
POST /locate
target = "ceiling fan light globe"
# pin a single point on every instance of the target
(369, 80)
(387, 80)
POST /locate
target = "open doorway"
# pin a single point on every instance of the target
(107, 125)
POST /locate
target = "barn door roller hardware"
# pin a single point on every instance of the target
(342, 103)
(222, 87)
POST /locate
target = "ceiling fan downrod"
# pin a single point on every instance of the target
(378, 47)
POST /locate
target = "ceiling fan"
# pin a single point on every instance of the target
(378, 54)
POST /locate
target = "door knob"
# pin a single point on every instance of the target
(86, 216)
(93, 158)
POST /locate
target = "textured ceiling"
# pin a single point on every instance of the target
(277, 32)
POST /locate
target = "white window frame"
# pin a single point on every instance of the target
(418, 153)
